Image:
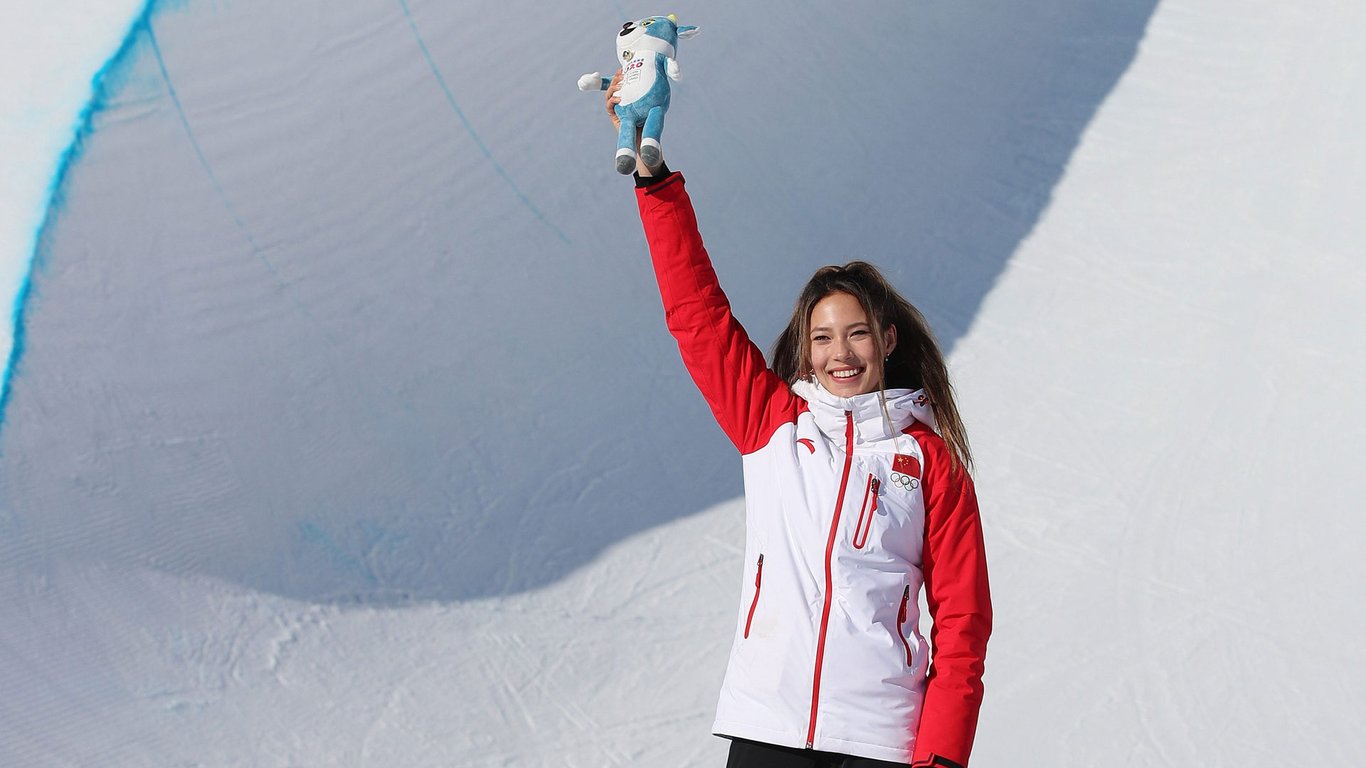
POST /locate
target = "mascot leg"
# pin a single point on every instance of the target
(626, 144)
(650, 153)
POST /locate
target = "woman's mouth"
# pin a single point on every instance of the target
(846, 373)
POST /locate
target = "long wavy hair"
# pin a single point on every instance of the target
(914, 363)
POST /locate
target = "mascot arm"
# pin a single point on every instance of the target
(594, 81)
(671, 68)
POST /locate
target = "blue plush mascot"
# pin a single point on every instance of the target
(646, 50)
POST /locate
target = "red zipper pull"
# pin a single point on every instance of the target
(758, 580)
(901, 620)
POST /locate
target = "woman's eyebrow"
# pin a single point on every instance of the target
(863, 323)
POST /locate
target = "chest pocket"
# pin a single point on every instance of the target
(889, 501)
(867, 512)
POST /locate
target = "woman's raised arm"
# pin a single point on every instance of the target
(749, 400)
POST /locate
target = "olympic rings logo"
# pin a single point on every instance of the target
(905, 482)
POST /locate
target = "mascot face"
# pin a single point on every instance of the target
(661, 28)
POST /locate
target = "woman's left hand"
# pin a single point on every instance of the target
(613, 100)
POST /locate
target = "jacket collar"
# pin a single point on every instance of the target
(871, 422)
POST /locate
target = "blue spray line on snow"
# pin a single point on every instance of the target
(479, 142)
(99, 91)
(218, 188)
(199, 152)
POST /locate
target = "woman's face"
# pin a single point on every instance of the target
(844, 354)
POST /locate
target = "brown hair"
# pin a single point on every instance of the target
(914, 363)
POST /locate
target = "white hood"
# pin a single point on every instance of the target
(871, 421)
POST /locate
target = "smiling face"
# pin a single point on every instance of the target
(845, 355)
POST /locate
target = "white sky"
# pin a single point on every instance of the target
(50, 53)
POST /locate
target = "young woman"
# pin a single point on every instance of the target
(857, 496)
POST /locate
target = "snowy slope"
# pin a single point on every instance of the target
(1163, 388)
(347, 432)
(616, 665)
(279, 313)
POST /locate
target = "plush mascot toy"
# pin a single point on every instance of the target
(645, 49)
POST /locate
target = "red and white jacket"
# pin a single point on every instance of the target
(851, 508)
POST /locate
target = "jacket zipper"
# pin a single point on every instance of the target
(758, 584)
(865, 515)
(829, 578)
(901, 620)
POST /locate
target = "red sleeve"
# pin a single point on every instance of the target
(749, 400)
(959, 599)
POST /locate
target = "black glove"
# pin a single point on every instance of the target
(935, 761)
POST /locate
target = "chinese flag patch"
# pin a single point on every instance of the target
(906, 465)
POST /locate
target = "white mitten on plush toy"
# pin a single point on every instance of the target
(646, 50)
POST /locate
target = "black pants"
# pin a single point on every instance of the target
(752, 754)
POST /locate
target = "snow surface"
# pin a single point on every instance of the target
(346, 430)
(50, 52)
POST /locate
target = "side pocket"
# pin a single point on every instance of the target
(901, 622)
(758, 585)
(866, 512)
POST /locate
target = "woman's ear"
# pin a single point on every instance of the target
(889, 339)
